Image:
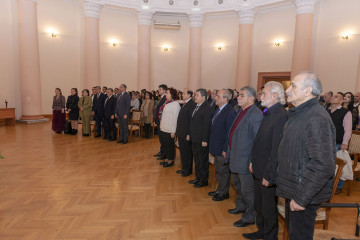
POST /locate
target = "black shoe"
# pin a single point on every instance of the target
(168, 164)
(180, 171)
(158, 154)
(185, 174)
(211, 194)
(120, 141)
(254, 235)
(84, 134)
(87, 135)
(235, 211)
(162, 163)
(106, 138)
(193, 181)
(240, 223)
(58, 132)
(97, 136)
(219, 197)
(124, 142)
(111, 140)
(199, 185)
(162, 157)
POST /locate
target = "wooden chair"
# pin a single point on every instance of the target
(322, 215)
(135, 123)
(354, 151)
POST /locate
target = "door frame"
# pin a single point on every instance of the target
(263, 75)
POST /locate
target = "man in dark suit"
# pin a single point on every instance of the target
(199, 135)
(242, 135)
(109, 116)
(264, 163)
(183, 133)
(98, 109)
(162, 90)
(122, 112)
(221, 123)
(232, 101)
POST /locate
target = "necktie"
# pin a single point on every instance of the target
(197, 107)
(216, 114)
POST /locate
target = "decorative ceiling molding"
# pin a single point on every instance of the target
(145, 17)
(92, 8)
(196, 20)
(305, 6)
(246, 16)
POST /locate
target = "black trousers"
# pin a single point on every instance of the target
(301, 224)
(147, 127)
(222, 173)
(186, 154)
(161, 139)
(169, 148)
(98, 119)
(109, 128)
(123, 128)
(201, 158)
(265, 202)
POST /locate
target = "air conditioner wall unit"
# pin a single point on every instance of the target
(171, 26)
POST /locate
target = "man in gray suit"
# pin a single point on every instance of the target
(241, 137)
(122, 112)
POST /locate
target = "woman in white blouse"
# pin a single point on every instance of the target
(169, 114)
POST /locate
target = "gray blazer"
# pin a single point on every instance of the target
(123, 104)
(242, 140)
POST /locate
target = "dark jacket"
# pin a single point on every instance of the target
(161, 102)
(264, 151)
(243, 139)
(183, 121)
(220, 127)
(307, 155)
(72, 104)
(123, 104)
(98, 105)
(109, 108)
(200, 124)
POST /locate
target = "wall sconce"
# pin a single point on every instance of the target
(165, 48)
(345, 36)
(277, 43)
(115, 43)
(219, 46)
(52, 33)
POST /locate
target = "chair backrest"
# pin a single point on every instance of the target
(136, 115)
(354, 144)
(339, 167)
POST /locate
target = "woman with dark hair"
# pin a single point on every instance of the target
(169, 113)
(349, 104)
(73, 110)
(85, 106)
(58, 106)
(147, 116)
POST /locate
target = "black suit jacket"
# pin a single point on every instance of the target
(110, 106)
(200, 124)
(264, 152)
(162, 101)
(98, 105)
(183, 121)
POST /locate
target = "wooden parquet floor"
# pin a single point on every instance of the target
(70, 187)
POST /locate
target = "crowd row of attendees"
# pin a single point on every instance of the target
(267, 147)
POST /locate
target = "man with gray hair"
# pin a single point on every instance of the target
(122, 112)
(240, 141)
(263, 162)
(306, 156)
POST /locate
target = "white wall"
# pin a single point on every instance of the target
(219, 67)
(60, 57)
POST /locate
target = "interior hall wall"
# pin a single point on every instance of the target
(336, 60)
(61, 56)
(170, 67)
(269, 26)
(218, 67)
(118, 64)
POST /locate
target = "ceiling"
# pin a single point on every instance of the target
(193, 6)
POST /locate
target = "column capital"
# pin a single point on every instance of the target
(145, 17)
(196, 20)
(92, 8)
(305, 6)
(246, 16)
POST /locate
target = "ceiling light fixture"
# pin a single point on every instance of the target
(221, 1)
(171, 2)
(196, 2)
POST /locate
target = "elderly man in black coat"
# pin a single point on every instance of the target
(306, 156)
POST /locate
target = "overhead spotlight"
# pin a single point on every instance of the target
(171, 2)
(196, 2)
(221, 1)
(146, 1)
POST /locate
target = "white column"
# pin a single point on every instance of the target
(243, 69)
(144, 50)
(194, 77)
(92, 43)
